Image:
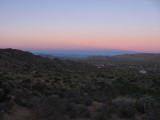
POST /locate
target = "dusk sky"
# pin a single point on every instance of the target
(131, 25)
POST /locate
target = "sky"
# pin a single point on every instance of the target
(130, 25)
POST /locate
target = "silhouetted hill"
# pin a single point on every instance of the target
(17, 59)
(14, 54)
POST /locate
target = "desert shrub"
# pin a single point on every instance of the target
(21, 102)
(125, 106)
(125, 88)
(39, 86)
(21, 96)
(18, 93)
(1, 94)
(149, 106)
(26, 81)
(36, 93)
(154, 112)
(86, 100)
(4, 91)
(57, 108)
(144, 104)
(100, 97)
(1, 111)
(7, 87)
(47, 81)
(82, 111)
(37, 75)
(5, 107)
(77, 110)
(49, 108)
(57, 79)
(102, 113)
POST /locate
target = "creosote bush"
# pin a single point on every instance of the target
(102, 113)
(144, 104)
(154, 112)
(125, 106)
(50, 108)
(57, 108)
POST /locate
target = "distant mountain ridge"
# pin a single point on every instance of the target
(20, 57)
(139, 58)
(76, 54)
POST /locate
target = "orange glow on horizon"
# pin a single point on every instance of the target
(130, 40)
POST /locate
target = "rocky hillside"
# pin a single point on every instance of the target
(14, 60)
(38, 88)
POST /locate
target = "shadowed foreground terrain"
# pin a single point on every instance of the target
(37, 88)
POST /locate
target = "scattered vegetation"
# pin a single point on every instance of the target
(72, 90)
(125, 106)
